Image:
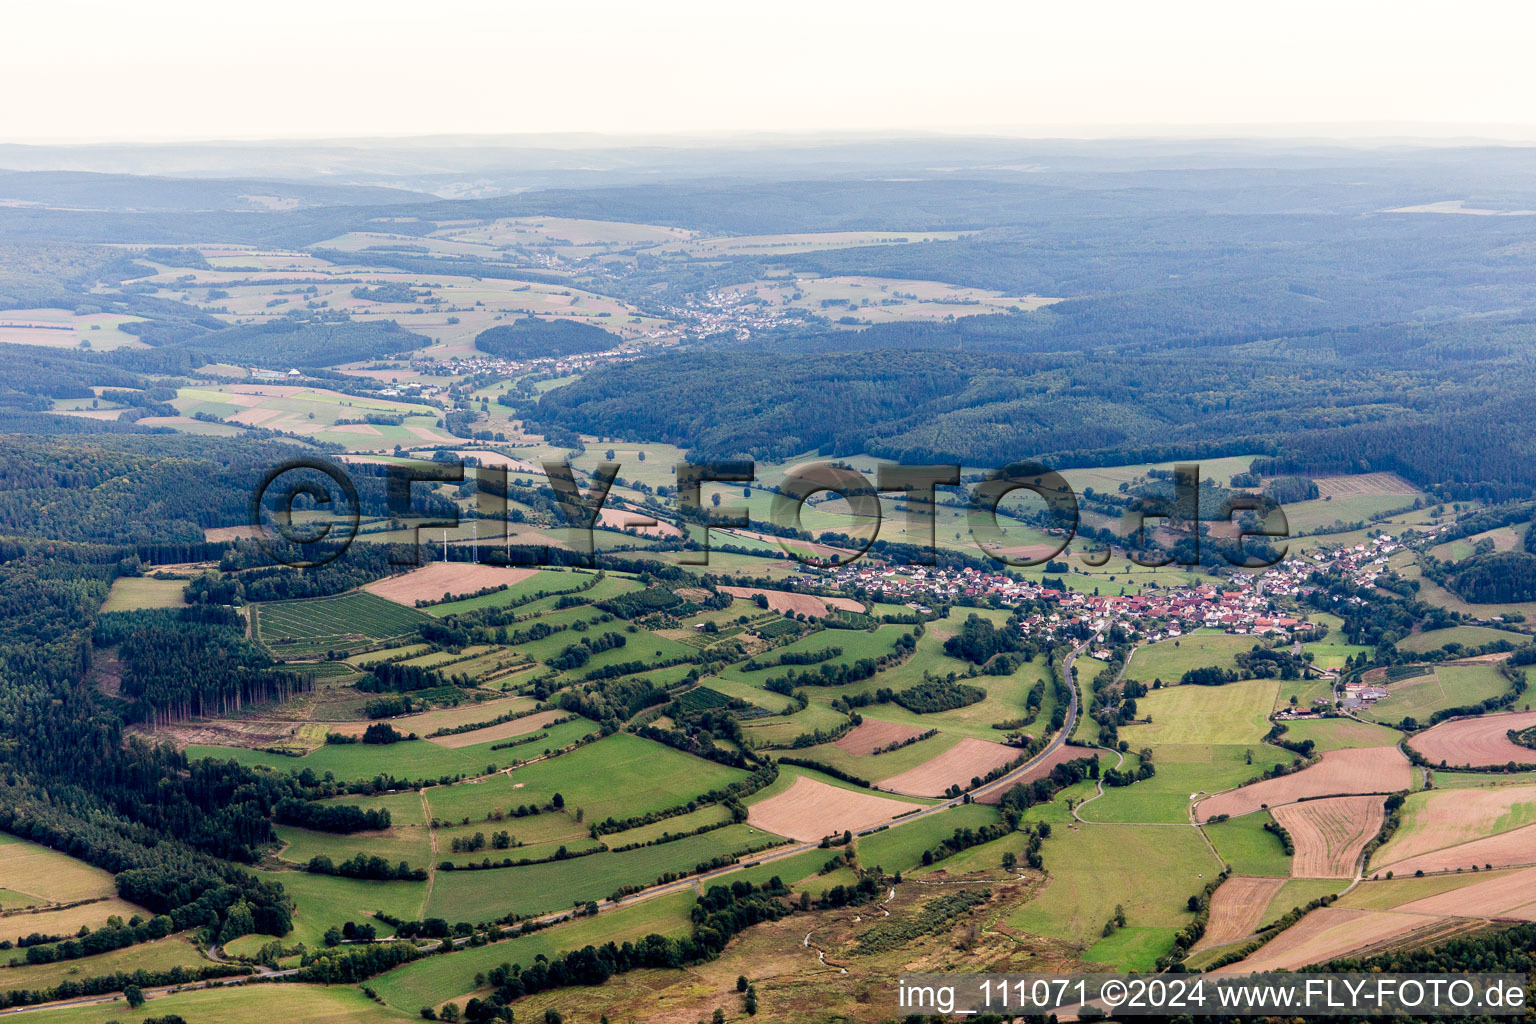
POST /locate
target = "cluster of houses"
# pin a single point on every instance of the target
(1241, 603)
(1236, 605)
(1359, 563)
(728, 311)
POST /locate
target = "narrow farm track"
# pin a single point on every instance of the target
(1079, 807)
(426, 810)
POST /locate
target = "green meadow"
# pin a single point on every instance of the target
(435, 980)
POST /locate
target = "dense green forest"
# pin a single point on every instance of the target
(532, 338)
(285, 343)
(1371, 411)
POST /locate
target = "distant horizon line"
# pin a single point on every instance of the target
(1368, 134)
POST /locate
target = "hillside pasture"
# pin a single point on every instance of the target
(435, 980)
(619, 776)
(1185, 771)
(131, 593)
(1231, 714)
(1089, 871)
(1248, 848)
(400, 842)
(1339, 733)
(48, 876)
(901, 849)
(159, 955)
(252, 1004)
(1168, 660)
(1446, 686)
(1503, 538)
(556, 885)
(1467, 636)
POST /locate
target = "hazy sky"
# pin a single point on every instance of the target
(174, 69)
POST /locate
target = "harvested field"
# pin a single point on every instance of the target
(959, 764)
(785, 543)
(1329, 834)
(443, 718)
(650, 526)
(1442, 819)
(810, 809)
(1508, 849)
(217, 533)
(1477, 742)
(490, 458)
(504, 731)
(1236, 908)
(1350, 771)
(796, 604)
(48, 875)
(67, 920)
(1509, 897)
(428, 434)
(871, 735)
(1330, 932)
(1060, 755)
(1363, 483)
(432, 582)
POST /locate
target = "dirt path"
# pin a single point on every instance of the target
(426, 810)
(1100, 793)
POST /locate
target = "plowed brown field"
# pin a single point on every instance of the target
(1439, 820)
(1327, 933)
(1478, 742)
(432, 582)
(1329, 834)
(796, 604)
(1505, 850)
(810, 809)
(1509, 896)
(968, 759)
(870, 735)
(504, 731)
(1236, 907)
(1352, 771)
